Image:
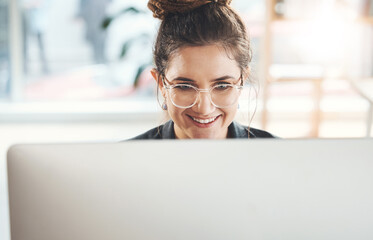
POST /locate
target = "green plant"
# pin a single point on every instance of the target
(131, 41)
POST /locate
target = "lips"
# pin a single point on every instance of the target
(204, 121)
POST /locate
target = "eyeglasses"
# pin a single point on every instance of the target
(222, 95)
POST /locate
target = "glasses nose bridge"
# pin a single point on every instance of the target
(203, 90)
(199, 96)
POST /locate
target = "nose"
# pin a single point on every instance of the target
(204, 104)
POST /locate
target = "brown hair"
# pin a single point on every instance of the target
(198, 23)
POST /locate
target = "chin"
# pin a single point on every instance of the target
(205, 135)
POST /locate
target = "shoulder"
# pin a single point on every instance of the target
(165, 131)
(237, 130)
(154, 133)
(257, 133)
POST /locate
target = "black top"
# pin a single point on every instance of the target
(235, 130)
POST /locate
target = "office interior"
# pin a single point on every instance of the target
(78, 71)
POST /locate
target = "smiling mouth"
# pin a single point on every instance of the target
(204, 121)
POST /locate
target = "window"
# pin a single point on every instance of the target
(67, 54)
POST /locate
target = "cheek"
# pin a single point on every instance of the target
(173, 111)
(230, 113)
(176, 114)
(169, 104)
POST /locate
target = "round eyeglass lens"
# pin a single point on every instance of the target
(183, 95)
(224, 96)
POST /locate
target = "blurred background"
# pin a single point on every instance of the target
(78, 70)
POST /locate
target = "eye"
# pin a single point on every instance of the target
(183, 87)
(222, 86)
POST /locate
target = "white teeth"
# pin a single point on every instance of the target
(204, 120)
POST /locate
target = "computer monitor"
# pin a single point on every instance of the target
(197, 189)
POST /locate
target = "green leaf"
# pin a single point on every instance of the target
(125, 48)
(106, 22)
(129, 10)
(109, 19)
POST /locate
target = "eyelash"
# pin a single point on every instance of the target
(216, 84)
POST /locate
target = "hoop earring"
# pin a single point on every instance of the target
(164, 106)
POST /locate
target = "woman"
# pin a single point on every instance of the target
(202, 55)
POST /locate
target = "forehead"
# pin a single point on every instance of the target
(202, 61)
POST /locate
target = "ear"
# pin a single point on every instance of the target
(158, 79)
(155, 74)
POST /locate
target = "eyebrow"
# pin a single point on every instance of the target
(184, 79)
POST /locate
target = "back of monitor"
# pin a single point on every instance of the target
(238, 189)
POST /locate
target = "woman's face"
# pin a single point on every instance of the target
(202, 67)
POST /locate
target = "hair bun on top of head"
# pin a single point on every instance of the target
(161, 8)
